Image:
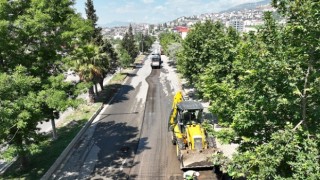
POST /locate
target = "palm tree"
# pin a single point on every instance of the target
(90, 64)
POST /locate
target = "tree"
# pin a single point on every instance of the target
(90, 64)
(275, 97)
(165, 25)
(113, 56)
(97, 39)
(290, 154)
(56, 97)
(39, 34)
(91, 15)
(145, 41)
(124, 58)
(168, 38)
(20, 112)
(128, 43)
(173, 50)
(206, 43)
(263, 86)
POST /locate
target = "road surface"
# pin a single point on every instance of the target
(130, 139)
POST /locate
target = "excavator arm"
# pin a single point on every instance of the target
(177, 98)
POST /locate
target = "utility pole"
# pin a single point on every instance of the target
(55, 115)
(142, 43)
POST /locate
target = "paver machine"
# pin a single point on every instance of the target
(194, 146)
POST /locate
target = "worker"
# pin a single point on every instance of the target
(190, 175)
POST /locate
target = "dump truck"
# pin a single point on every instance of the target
(194, 146)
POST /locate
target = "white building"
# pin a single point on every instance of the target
(118, 36)
(238, 24)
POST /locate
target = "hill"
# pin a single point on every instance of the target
(247, 6)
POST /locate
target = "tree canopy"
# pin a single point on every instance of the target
(128, 43)
(168, 38)
(264, 87)
(36, 39)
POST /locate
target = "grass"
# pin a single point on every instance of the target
(139, 59)
(118, 78)
(50, 150)
(84, 111)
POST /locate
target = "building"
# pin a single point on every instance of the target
(182, 30)
(238, 24)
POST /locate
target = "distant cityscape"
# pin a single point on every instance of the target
(244, 19)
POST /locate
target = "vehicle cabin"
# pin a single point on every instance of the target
(155, 61)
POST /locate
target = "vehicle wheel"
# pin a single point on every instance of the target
(180, 146)
(173, 139)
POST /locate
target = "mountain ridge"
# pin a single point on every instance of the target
(247, 6)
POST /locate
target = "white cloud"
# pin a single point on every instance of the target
(160, 8)
(147, 1)
(127, 8)
(152, 11)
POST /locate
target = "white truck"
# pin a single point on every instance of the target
(155, 60)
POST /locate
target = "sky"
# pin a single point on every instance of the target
(153, 11)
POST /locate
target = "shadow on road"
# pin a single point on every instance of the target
(118, 143)
(109, 91)
(122, 94)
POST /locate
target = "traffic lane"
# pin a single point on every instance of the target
(158, 160)
(173, 168)
(117, 132)
(150, 161)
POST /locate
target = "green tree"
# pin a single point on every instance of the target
(124, 58)
(265, 87)
(112, 54)
(145, 41)
(128, 43)
(290, 154)
(20, 112)
(91, 15)
(90, 65)
(168, 38)
(97, 39)
(207, 43)
(275, 97)
(56, 96)
(37, 36)
(173, 50)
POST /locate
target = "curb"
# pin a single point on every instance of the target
(67, 150)
(7, 165)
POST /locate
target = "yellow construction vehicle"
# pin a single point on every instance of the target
(194, 146)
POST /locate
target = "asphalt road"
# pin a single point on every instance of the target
(154, 158)
(133, 151)
(130, 138)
